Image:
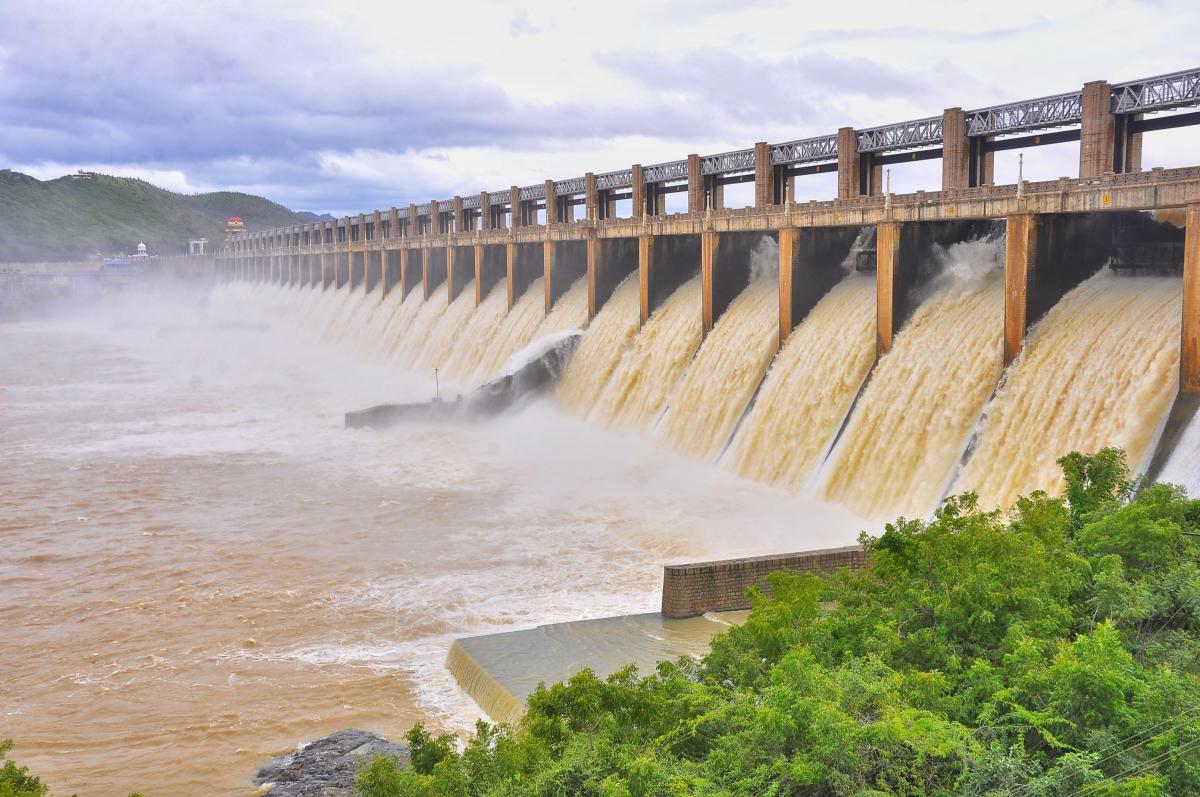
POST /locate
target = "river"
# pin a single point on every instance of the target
(202, 568)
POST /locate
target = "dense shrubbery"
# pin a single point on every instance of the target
(16, 781)
(1050, 652)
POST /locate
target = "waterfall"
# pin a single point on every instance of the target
(464, 359)
(417, 336)
(1099, 370)
(397, 329)
(912, 423)
(445, 334)
(728, 368)
(607, 337)
(809, 388)
(639, 388)
(569, 312)
(515, 333)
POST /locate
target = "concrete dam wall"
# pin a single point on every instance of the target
(917, 360)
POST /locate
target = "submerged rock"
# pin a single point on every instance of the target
(328, 766)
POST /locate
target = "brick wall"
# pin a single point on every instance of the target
(693, 589)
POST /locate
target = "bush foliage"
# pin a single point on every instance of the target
(1050, 651)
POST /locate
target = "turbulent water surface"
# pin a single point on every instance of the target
(203, 568)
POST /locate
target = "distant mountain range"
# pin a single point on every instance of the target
(71, 219)
(308, 215)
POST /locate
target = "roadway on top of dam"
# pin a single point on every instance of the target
(1112, 120)
(1151, 190)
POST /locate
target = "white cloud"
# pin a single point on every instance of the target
(348, 106)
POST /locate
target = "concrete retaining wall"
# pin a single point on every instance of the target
(694, 589)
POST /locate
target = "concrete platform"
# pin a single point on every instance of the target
(500, 671)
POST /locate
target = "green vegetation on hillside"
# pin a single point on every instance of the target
(67, 219)
(1053, 651)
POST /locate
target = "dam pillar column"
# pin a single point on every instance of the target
(1020, 259)
(645, 266)
(593, 265)
(695, 185)
(485, 211)
(887, 253)
(1189, 355)
(637, 191)
(965, 164)
(451, 294)
(516, 209)
(708, 250)
(548, 250)
(591, 199)
(510, 254)
(478, 249)
(787, 249)
(848, 179)
(426, 291)
(764, 176)
(1097, 130)
(956, 148)
(555, 212)
(459, 221)
(405, 276)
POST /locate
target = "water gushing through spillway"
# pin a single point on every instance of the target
(445, 334)
(809, 388)
(1099, 370)
(397, 330)
(916, 414)
(515, 333)
(601, 349)
(463, 361)
(416, 337)
(569, 312)
(728, 368)
(642, 383)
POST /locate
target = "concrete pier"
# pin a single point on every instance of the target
(1189, 360)
(1020, 258)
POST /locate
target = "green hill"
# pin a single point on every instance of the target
(66, 219)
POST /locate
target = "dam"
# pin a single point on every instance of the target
(868, 350)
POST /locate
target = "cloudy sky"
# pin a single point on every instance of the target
(349, 106)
